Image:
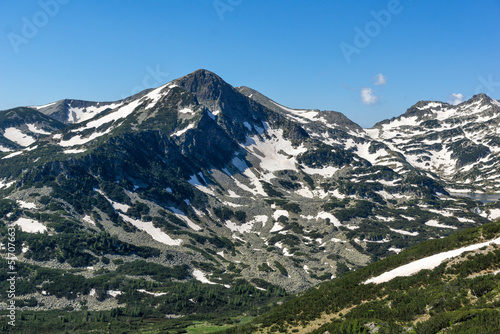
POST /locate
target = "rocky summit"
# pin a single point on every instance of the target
(151, 203)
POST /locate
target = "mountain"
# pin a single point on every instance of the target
(155, 204)
(449, 285)
(335, 129)
(460, 144)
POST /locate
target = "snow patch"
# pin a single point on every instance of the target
(186, 111)
(79, 115)
(326, 215)
(44, 106)
(430, 262)
(17, 136)
(200, 276)
(113, 293)
(465, 220)
(193, 180)
(156, 233)
(156, 294)
(286, 253)
(276, 227)
(385, 219)
(326, 171)
(247, 125)
(26, 205)
(34, 129)
(78, 140)
(5, 149)
(117, 206)
(247, 227)
(395, 250)
(494, 214)
(181, 215)
(178, 133)
(74, 151)
(30, 225)
(413, 234)
(276, 153)
(435, 223)
(89, 220)
(279, 213)
(233, 194)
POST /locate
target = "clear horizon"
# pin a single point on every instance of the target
(369, 61)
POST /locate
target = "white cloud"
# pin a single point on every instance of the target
(367, 96)
(380, 79)
(456, 98)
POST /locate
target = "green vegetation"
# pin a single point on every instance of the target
(73, 247)
(326, 155)
(361, 209)
(270, 191)
(451, 298)
(281, 269)
(188, 300)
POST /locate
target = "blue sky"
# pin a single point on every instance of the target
(368, 59)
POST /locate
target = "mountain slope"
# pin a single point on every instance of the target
(458, 143)
(334, 129)
(455, 295)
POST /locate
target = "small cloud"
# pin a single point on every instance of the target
(456, 98)
(367, 96)
(380, 79)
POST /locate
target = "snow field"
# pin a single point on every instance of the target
(17, 136)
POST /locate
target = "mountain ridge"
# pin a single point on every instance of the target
(456, 142)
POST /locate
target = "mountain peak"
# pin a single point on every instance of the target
(204, 72)
(200, 77)
(480, 97)
(215, 94)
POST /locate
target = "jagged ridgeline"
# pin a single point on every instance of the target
(198, 197)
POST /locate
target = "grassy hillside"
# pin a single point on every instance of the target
(461, 295)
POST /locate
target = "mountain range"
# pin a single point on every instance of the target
(197, 185)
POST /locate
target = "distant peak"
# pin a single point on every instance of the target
(480, 97)
(428, 104)
(202, 81)
(202, 74)
(203, 71)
